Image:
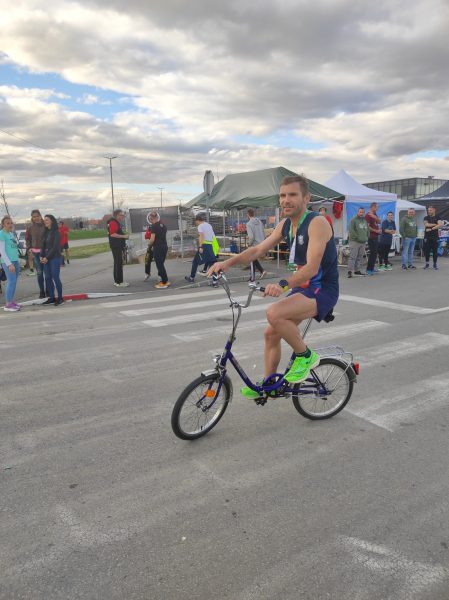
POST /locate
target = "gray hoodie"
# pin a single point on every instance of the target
(255, 231)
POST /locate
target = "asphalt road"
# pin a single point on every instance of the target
(99, 500)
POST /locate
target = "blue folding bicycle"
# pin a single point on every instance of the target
(322, 395)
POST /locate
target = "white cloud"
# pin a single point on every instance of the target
(366, 81)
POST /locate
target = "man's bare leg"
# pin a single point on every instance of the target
(272, 354)
(283, 318)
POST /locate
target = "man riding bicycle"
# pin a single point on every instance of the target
(313, 287)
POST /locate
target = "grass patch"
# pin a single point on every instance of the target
(84, 234)
(86, 251)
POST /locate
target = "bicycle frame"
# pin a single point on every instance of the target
(274, 385)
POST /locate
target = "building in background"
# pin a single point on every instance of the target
(408, 189)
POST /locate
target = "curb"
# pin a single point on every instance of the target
(86, 296)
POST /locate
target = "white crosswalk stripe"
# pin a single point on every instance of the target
(184, 306)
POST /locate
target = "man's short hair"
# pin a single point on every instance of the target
(303, 183)
(250, 212)
(390, 212)
(117, 212)
(373, 204)
(200, 217)
(360, 208)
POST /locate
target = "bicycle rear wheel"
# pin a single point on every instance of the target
(191, 418)
(333, 380)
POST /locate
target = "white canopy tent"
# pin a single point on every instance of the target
(361, 195)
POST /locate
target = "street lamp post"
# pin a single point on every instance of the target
(110, 158)
(161, 188)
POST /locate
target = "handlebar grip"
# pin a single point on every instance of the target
(261, 289)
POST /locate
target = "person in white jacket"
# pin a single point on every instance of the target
(256, 234)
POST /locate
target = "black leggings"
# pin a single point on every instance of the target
(372, 245)
(384, 251)
(431, 246)
(159, 255)
(117, 254)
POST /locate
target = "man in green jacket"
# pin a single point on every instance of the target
(408, 228)
(358, 236)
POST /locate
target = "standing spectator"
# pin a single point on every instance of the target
(64, 234)
(149, 254)
(158, 243)
(117, 242)
(408, 228)
(256, 235)
(9, 256)
(431, 227)
(388, 228)
(50, 257)
(358, 236)
(205, 254)
(33, 237)
(373, 240)
(323, 213)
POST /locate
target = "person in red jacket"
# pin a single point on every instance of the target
(64, 235)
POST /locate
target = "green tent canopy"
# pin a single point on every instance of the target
(256, 189)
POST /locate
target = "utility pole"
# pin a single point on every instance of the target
(161, 188)
(110, 159)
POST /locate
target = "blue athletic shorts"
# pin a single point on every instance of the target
(325, 302)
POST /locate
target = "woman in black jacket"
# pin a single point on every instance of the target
(50, 257)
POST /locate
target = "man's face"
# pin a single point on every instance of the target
(431, 211)
(292, 201)
(411, 212)
(374, 208)
(36, 218)
(361, 212)
(120, 217)
(390, 217)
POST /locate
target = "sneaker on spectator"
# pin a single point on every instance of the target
(11, 307)
(411, 267)
(123, 284)
(370, 273)
(359, 274)
(162, 286)
(389, 267)
(381, 268)
(349, 274)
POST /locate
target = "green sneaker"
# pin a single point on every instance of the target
(381, 268)
(248, 392)
(300, 369)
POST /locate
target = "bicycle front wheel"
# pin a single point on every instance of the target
(200, 406)
(329, 388)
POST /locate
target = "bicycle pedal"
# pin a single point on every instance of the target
(260, 401)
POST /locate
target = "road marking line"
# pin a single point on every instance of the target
(202, 316)
(393, 305)
(161, 299)
(410, 402)
(407, 579)
(164, 309)
(402, 348)
(324, 333)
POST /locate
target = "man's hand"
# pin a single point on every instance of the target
(273, 289)
(217, 267)
(12, 269)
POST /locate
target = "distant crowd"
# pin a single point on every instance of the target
(370, 229)
(47, 249)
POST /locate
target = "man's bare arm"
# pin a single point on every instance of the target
(252, 253)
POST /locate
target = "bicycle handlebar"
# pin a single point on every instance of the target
(220, 278)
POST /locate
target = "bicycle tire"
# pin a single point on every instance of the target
(201, 421)
(316, 407)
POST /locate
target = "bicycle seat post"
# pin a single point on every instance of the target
(306, 327)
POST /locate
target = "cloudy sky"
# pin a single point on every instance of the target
(173, 87)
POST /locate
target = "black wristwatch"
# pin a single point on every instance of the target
(284, 285)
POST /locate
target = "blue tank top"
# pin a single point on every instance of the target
(327, 276)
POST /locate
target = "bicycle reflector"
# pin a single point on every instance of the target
(210, 394)
(356, 367)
